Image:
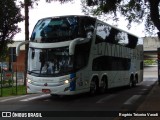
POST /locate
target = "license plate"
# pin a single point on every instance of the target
(46, 90)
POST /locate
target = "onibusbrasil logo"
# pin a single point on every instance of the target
(21, 114)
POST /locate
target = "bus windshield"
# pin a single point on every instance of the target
(49, 62)
(59, 29)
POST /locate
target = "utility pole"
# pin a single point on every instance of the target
(26, 10)
(158, 60)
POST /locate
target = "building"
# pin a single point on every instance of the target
(20, 61)
(150, 45)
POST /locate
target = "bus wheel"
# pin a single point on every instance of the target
(104, 85)
(93, 87)
(136, 78)
(132, 82)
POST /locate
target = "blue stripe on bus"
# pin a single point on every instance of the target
(73, 82)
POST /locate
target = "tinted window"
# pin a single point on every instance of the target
(58, 29)
(104, 63)
(132, 41)
(105, 33)
(81, 55)
(102, 32)
(55, 29)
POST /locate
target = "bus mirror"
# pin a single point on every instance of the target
(75, 42)
(19, 45)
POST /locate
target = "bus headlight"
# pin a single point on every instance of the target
(66, 81)
(29, 81)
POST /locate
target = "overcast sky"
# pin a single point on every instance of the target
(72, 8)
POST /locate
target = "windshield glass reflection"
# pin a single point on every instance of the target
(55, 29)
(59, 29)
(50, 62)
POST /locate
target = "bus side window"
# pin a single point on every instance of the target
(80, 62)
(86, 27)
(82, 55)
(132, 41)
(89, 31)
(102, 32)
(112, 35)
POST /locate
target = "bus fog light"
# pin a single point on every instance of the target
(66, 89)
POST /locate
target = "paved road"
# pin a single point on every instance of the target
(150, 72)
(119, 99)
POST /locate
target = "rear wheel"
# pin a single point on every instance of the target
(93, 86)
(132, 82)
(136, 78)
(104, 85)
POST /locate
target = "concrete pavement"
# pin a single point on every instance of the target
(150, 105)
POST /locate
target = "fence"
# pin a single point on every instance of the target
(12, 82)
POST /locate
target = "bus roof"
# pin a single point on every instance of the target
(66, 16)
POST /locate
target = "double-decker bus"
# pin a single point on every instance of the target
(75, 54)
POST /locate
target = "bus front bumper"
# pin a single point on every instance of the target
(57, 90)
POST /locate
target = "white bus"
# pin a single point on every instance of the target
(75, 54)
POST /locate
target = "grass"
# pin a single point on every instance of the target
(10, 91)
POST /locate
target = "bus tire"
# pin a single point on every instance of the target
(104, 85)
(93, 86)
(132, 82)
(136, 78)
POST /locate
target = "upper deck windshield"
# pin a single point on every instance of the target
(58, 29)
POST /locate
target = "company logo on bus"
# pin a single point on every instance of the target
(45, 84)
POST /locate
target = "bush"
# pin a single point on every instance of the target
(150, 62)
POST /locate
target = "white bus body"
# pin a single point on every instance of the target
(75, 54)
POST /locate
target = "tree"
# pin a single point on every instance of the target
(10, 16)
(133, 10)
(154, 13)
(61, 1)
(26, 4)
